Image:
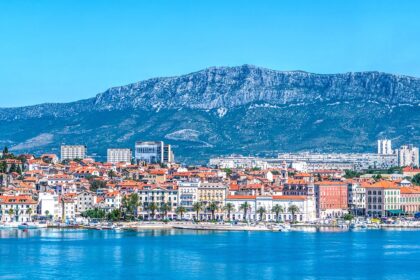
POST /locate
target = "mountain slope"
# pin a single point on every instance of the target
(222, 110)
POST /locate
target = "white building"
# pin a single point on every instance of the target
(408, 155)
(153, 152)
(385, 147)
(16, 208)
(188, 195)
(356, 198)
(306, 206)
(73, 152)
(239, 162)
(48, 204)
(119, 155)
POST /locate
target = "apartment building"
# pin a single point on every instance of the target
(119, 155)
(73, 152)
(383, 199)
(153, 152)
(408, 155)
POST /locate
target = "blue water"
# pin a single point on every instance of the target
(171, 254)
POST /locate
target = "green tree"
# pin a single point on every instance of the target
(293, 209)
(197, 207)
(348, 217)
(165, 208)
(111, 174)
(416, 179)
(229, 207)
(261, 211)
(277, 209)
(213, 207)
(29, 212)
(180, 210)
(96, 184)
(152, 208)
(10, 212)
(245, 207)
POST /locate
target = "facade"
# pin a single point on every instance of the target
(331, 199)
(73, 152)
(385, 147)
(408, 155)
(340, 161)
(85, 200)
(382, 199)
(153, 152)
(356, 198)
(17, 208)
(209, 192)
(239, 162)
(159, 196)
(48, 204)
(188, 194)
(119, 155)
(410, 200)
(305, 205)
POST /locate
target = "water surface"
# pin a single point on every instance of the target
(174, 254)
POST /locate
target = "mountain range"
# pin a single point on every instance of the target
(223, 110)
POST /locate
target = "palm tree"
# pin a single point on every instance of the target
(261, 211)
(180, 210)
(10, 212)
(29, 212)
(229, 207)
(245, 207)
(197, 208)
(152, 207)
(134, 203)
(293, 209)
(165, 208)
(213, 208)
(277, 209)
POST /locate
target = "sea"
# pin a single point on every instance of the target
(190, 254)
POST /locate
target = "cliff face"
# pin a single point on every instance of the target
(221, 110)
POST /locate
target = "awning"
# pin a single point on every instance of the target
(396, 212)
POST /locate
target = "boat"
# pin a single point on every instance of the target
(10, 225)
(27, 226)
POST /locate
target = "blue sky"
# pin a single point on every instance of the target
(58, 51)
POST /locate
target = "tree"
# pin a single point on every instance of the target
(96, 184)
(5, 151)
(277, 209)
(416, 179)
(213, 207)
(114, 215)
(245, 207)
(348, 217)
(10, 212)
(29, 212)
(293, 209)
(229, 207)
(152, 208)
(165, 208)
(111, 174)
(261, 211)
(180, 210)
(197, 208)
(18, 169)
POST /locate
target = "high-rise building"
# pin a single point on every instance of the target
(153, 152)
(119, 155)
(408, 155)
(73, 152)
(385, 147)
